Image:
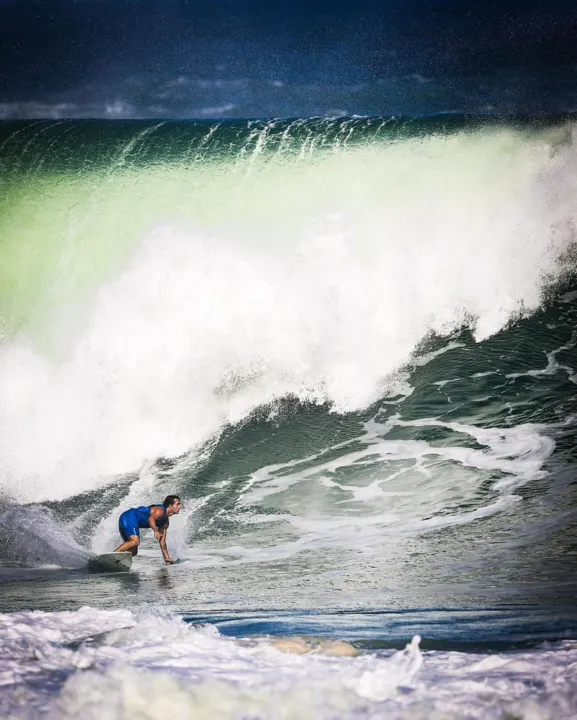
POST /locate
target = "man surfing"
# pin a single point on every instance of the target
(153, 516)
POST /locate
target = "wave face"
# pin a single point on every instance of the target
(348, 345)
(162, 282)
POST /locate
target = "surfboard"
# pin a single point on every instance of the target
(111, 561)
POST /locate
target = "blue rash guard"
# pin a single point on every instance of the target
(132, 520)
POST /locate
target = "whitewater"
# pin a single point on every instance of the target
(349, 345)
(294, 272)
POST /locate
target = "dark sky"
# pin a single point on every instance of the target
(79, 50)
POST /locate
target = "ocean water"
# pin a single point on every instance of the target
(349, 345)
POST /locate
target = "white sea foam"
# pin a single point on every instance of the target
(113, 665)
(316, 276)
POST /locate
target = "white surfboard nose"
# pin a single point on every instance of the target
(112, 561)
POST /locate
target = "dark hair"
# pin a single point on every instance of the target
(169, 499)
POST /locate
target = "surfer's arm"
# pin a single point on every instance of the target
(163, 548)
(155, 514)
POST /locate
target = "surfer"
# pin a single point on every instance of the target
(153, 516)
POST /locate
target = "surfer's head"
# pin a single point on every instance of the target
(173, 504)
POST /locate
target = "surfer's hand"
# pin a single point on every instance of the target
(157, 534)
(168, 561)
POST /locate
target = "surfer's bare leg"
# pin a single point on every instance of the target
(130, 545)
